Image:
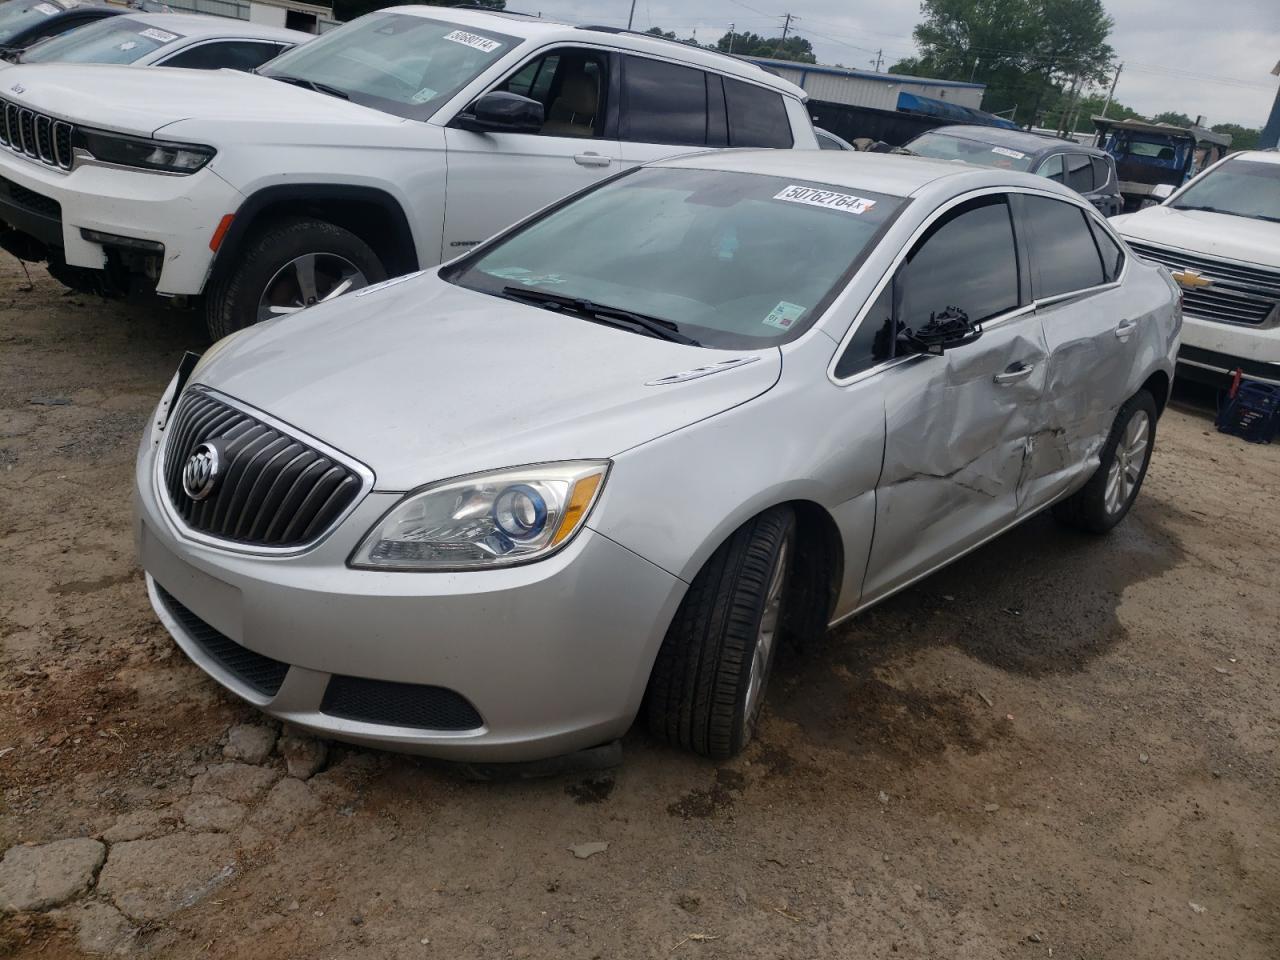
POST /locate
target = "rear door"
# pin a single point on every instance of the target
(957, 425)
(495, 179)
(1093, 345)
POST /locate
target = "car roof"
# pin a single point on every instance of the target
(193, 26)
(1022, 140)
(1263, 156)
(546, 30)
(893, 174)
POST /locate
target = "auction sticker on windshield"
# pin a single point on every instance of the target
(845, 202)
(1006, 152)
(48, 9)
(159, 36)
(473, 40)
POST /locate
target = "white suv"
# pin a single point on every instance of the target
(387, 146)
(1220, 237)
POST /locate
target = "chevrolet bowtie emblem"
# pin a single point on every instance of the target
(1191, 279)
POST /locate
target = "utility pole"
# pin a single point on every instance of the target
(1112, 92)
(786, 27)
(974, 72)
(632, 16)
(731, 38)
(879, 59)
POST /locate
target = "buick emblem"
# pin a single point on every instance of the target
(200, 475)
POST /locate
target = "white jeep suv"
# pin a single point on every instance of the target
(384, 147)
(1220, 237)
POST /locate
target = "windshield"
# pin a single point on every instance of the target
(735, 260)
(1242, 188)
(113, 40)
(943, 146)
(395, 62)
(17, 16)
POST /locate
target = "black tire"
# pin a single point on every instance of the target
(698, 689)
(1087, 509)
(232, 301)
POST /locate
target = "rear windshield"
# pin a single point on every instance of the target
(735, 260)
(1242, 188)
(395, 62)
(112, 40)
(943, 146)
(17, 16)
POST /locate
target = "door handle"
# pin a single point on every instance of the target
(1125, 328)
(1014, 373)
(590, 159)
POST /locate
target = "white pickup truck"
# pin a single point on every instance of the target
(1220, 238)
(383, 147)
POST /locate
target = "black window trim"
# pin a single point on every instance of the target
(1030, 306)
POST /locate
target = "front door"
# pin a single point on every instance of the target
(495, 179)
(957, 425)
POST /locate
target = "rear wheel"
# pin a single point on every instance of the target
(1105, 500)
(711, 674)
(287, 266)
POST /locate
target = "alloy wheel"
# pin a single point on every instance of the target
(306, 280)
(766, 638)
(1127, 462)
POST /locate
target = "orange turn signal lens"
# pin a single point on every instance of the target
(584, 492)
(220, 232)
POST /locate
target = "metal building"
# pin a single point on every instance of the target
(863, 88)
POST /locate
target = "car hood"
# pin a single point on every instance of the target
(424, 380)
(140, 102)
(1199, 231)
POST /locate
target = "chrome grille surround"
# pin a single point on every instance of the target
(36, 135)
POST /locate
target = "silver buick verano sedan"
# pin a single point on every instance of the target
(608, 461)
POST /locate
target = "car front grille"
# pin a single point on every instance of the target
(29, 200)
(399, 704)
(38, 135)
(1240, 292)
(253, 669)
(271, 490)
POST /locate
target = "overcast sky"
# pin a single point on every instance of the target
(1210, 57)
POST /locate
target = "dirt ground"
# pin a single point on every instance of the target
(1061, 747)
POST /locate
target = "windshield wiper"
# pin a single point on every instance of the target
(612, 316)
(306, 84)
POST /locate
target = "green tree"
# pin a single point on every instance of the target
(1242, 138)
(1173, 118)
(670, 35)
(350, 9)
(754, 45)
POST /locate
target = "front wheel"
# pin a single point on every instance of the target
(1105, 500)
(709, 680)
(285, 267)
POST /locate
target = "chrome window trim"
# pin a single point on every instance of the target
(922, 227)
(161, 493)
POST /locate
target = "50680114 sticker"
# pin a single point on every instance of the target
(1006, 152)
(473, 40)
(160, 36)
(844, 202)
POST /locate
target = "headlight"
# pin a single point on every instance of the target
(485, 520)
(144, 152)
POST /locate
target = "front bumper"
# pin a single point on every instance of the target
(554, 656)
(1212, 350)
(179, 212)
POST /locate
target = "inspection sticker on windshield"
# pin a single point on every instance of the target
(784, 315)
(1006, 152)
(473, 40)
(160, 36)
(824, 198)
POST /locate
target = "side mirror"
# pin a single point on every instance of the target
(501, 112)
(944, 331)
(1162, 191)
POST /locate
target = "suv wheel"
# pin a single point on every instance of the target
(1105, 500)
(288, 265)
(709, 680)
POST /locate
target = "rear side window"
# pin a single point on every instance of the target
(664, 103)
(1101, 173)
(967, 260)
(235, 54)
(1079, 173)
(1063, 251)
(757, 117)
(1112, 255)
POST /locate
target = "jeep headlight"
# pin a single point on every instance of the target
(143, 152)
(493, 519)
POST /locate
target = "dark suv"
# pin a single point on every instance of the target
(1086, 170)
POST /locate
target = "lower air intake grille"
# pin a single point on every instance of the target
(399, 704)
(261, 673)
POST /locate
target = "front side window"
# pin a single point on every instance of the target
(757, 117)
(402, 64)
(1240, 188)
(663, 103)
(943, 146)
(571, 85)
(110, 40)
(1062, 247)
(1053, 169)
(243, 55)
(733, 260)
(1079, 172)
